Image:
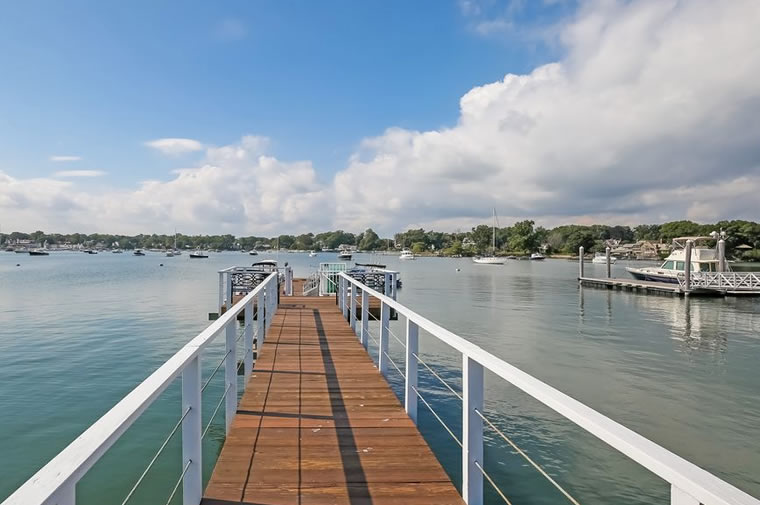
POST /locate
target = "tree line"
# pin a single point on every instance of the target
(520, 238)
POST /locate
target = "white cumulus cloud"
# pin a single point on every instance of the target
(175, 146)
(79, 173)
(62, 158)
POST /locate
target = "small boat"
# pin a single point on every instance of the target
(169, 254)
(265, 265)
(177, 252)
(344, 255)
(312, 254)
(703, 259)
(117, 251)
(22, 251)
(253, 252)
(536, 256)
(406, 254)
(138, 252)
(38, 252)
(198, 254)
(492, 259)
(371, 265)
(601, 259)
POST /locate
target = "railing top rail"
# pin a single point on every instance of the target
(695, 481)
(79, 456)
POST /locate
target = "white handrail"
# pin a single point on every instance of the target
(691, 485)
(54, 483)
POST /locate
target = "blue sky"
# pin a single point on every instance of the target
(263, 117)
(98, 79)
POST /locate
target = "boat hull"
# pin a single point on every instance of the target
(489, 261)
(644, 275)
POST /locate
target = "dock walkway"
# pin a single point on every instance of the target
(318, 424)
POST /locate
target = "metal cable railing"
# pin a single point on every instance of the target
(179, 481)
(394, 365)
(155, 457)
(493, 484)
(208, 380)
(432, 411)
(213, 415)
(527, 458)
(419, 360)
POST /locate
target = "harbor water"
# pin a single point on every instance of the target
(78, 332)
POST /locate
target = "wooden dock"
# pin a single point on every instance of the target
(318, 424)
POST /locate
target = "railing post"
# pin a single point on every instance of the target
(679, 497)
(721, 255)
(387, 284)
(352, 316)
(580, 262)
(230, 375)
(382, 360)
(260, 323)
(472, 431)
(365, 318)
(192, 484)
(412, 348)
(289, 281)
(248, 351)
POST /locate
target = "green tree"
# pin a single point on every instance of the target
(369, 241)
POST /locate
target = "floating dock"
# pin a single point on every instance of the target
(659, 288)
(319, 424)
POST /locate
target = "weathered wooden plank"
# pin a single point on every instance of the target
(319, 424)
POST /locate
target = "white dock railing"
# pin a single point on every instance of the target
(689, 484)
(55, 483)
(721, 281)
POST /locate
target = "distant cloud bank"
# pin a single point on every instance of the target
(651, 115)
(59, 158)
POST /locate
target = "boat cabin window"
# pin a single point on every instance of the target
(679, 265)
(703, 267)
(668, 265)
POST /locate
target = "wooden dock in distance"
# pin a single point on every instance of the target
(660, 288)
(318, 424)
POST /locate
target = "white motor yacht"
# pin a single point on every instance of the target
(601, 259)
(703, 259)
(536, 256)
(406, 254)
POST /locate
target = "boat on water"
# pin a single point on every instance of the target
(601, 259)
(117, 251)
(38, 252)
(703, 259)
(138, 252)
(198, 254)
(344, 255)
(371, 265)
(21, 251)
(90, 251)
(537, 256)
(406, 254)
(169, 254)
(492, 259)
(253, 252)
(312, 254)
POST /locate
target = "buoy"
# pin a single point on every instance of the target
(458, 269)
(161, 265)
(18, 264)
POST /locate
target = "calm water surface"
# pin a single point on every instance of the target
(77, 332)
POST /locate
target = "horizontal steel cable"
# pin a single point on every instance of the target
(436, 375)
(490, 480)
(394, 365)
(215, 370)
(437, 417)
(522, 453)
(181, 477)
(155, 457)
(215, 411)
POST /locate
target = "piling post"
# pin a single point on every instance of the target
(687, 266)
(609, 267)
(387, 288)
(221, 292)
(580, 262)
(721, 255)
